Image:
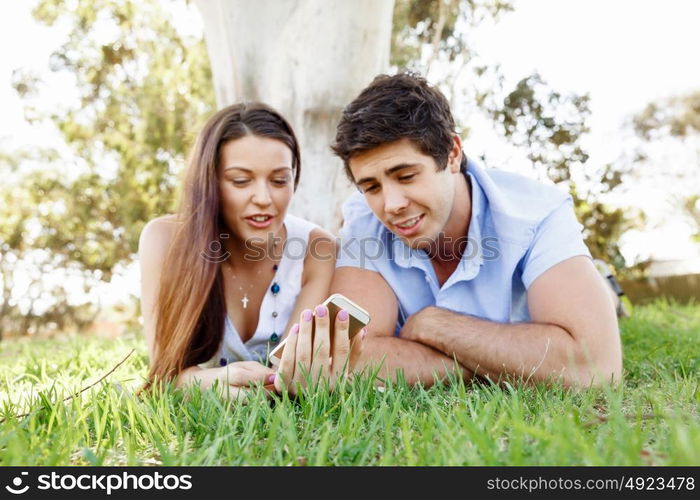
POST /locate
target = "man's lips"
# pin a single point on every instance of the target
(408, 226)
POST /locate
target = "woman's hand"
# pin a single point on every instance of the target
(234, 379)
(309, 356)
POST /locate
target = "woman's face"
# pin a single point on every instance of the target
(256, 184)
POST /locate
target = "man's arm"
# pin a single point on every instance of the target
(573, 335)
(417, 361)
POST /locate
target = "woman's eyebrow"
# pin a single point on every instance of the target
(250, 171)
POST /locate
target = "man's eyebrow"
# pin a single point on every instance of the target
(250, 171)
(389, 171)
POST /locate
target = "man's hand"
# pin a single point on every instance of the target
(419, 325)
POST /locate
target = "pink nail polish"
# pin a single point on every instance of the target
(363, 334)
(295, 329)
(271, 378)
(343, 315)
(321, 311)
(307, 315)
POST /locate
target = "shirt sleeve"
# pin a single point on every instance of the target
(359, 245)
(557, 238)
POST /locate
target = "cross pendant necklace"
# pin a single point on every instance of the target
(245, 298)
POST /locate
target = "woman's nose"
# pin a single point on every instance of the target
(261, 196)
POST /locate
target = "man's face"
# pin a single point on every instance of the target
(405, 190)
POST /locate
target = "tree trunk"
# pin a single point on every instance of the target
(308, 59)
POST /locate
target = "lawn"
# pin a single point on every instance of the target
(651, 419)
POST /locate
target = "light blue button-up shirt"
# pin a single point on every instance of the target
(519, 228)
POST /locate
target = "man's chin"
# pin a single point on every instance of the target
(418, 242)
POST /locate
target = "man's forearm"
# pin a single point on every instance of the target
(417, 362)
(531, 351)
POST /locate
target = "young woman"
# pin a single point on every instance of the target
(232, 270)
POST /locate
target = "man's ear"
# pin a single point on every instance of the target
(454, 159)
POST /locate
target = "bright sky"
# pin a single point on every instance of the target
(624, 53)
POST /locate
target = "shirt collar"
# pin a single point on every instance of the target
(473, 257)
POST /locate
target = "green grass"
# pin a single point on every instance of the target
(651, 419)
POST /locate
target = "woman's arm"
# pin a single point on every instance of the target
(232, 378)
(154, 242)
(319, 265)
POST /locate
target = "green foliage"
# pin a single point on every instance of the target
(29, 247)
(434, 23)
(691, 205)
(143, 88)
(652, 419)
(677, 117)
(545, 124)
(550, 126)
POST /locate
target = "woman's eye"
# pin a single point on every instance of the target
(240, 182)
(371, 189)
(282, 181)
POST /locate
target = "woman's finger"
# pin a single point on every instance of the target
(341, 344)
(304, 346)
(233, 374)
(320, 364)
(256, 372)
(285, 372)
(356, 345)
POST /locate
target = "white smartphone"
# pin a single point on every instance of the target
(359, 318)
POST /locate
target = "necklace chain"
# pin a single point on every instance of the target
(274, 289)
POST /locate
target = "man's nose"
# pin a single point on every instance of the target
(394, 200)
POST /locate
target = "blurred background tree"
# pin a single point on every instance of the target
(677, 118)
(145, 86)
(143, 89)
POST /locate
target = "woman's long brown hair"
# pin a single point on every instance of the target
(190, 309)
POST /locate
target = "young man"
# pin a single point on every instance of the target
(462, 267)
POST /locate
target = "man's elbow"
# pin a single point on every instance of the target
(598, 361)
(603, 371)
(601, 377)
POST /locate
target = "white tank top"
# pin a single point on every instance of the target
(276, 308)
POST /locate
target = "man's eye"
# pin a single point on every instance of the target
(371, 189)
(407, 177)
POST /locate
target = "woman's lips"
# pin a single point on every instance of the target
(259, 224)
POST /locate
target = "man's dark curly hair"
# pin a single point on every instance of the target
(402, 106)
